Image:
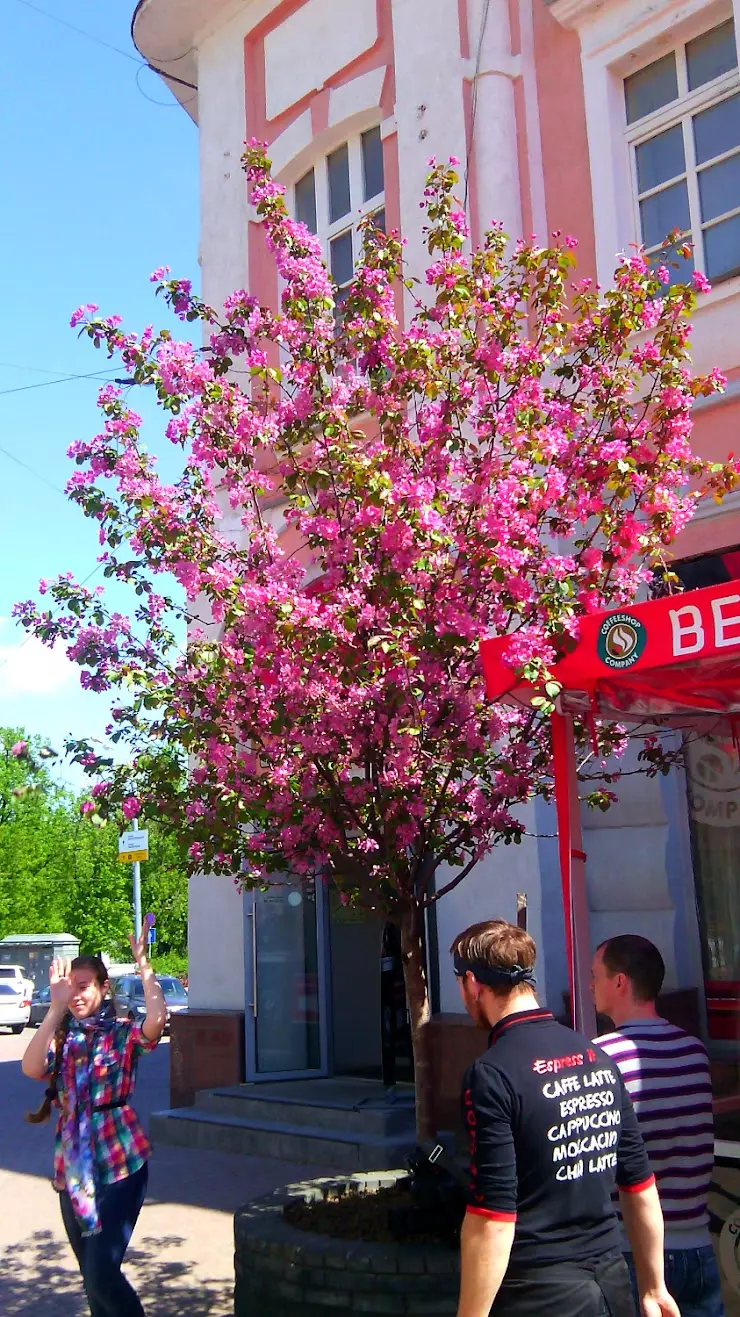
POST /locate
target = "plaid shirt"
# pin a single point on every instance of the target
(121, 1146)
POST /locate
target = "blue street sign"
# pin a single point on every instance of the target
(152, 936)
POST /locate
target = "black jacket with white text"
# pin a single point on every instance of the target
(551, 1130)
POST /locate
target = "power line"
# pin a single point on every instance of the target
(35, 370)
(108, 45)
(39, 476)
(46, 384)
(474, 106)
(163, 105)
(30, 636)
(27, 4)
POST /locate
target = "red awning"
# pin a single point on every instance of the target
(672, 659)
(664, 658)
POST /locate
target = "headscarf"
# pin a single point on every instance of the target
(76, 1125)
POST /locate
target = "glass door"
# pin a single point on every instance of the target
(286, 966)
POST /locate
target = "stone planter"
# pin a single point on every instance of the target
(287, 1272)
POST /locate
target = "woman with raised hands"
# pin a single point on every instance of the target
(88, 1059)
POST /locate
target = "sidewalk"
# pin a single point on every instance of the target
(181, 1257)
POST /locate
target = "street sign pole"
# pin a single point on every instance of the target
(137, 893)
(133, 846)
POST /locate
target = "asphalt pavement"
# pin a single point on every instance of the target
(181, 1256)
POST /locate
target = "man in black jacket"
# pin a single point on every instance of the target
(551, 1131)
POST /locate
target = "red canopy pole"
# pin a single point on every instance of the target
(560, 772)
(573, 873)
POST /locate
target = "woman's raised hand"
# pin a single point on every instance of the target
(60, 982)
(139, 945)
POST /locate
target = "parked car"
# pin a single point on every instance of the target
(40, 1003)
(128, 995)
(16, 975)
(15, 1007)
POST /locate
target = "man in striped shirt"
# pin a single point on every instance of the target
(666, 1073)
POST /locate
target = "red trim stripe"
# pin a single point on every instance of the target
(521, 1017)
(492, 1216)
(638, 1188)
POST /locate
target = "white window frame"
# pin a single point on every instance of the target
(326, 231)
(681, 111)
(618, 37)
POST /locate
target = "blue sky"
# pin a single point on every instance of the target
(100, 186)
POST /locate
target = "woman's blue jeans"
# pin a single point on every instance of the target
(100, 1256)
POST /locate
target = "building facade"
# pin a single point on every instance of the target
(615, 121)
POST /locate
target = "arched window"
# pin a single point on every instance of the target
(339, 190)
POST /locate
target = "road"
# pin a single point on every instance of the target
(181, 1257)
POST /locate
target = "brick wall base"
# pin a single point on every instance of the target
(293, 1273)
(206, 1051)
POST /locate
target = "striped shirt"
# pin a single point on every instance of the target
(666, 1073)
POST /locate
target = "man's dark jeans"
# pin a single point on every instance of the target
(100, 1256)
(597, 1288)
(692, 1277)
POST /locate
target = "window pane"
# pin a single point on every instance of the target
(719, 188)
(305, 201)
(339, 300)
(717, 129)
(660, 158)
(722, 249)
(650, 88)
(663, 212)
(711, 54)
(342, 263)
(379, 220)
(372, 163)
(680, 268)
(339, 200)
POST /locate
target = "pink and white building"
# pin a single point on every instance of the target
(615, 121)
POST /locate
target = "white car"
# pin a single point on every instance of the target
(15, 1007)
(16, 975)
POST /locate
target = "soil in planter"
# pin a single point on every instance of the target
(366, 1216)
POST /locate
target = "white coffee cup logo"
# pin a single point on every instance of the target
(729, 1251)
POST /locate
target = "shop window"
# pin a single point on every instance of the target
(713, 785)
(713, 780)
(338, 191)
(683, 130)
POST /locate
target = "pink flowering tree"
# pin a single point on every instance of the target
(512, 456)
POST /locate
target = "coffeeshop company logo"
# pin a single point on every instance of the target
(622, 639)
(729, 1251)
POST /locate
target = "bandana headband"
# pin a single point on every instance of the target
(494, 978)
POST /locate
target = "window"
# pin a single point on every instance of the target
(683, 129)
(713, 788)
(343, 187)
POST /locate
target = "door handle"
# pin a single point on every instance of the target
(252, 914)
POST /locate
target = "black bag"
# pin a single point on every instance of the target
(438, 1188)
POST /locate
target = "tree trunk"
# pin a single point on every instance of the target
(417, 996)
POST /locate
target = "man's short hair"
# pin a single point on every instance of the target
(639, 960)
(497, 945)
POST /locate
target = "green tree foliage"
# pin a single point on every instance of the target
(59, 873)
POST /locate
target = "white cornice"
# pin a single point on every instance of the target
(169, 33)
(572, 13)
(614, 27)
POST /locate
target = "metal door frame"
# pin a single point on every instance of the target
(251, 991)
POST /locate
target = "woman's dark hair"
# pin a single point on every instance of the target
(96, 967)
(94, 964)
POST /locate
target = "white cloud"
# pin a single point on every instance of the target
(32, 669)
